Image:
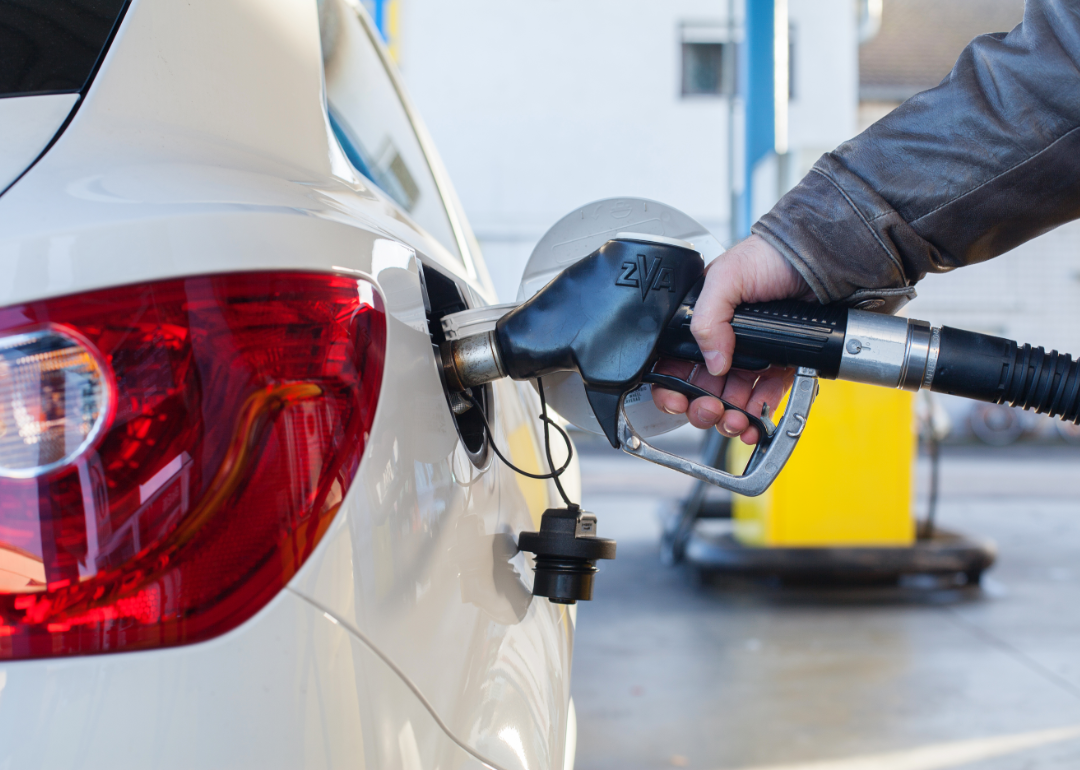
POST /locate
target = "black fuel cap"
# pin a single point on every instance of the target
(566, 549)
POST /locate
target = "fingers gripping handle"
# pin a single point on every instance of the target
(770, 455)
(691, 391)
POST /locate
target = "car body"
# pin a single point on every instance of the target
(225, 138)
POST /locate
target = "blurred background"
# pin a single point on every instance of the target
(717, 107)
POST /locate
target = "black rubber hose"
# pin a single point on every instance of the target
(997, 370)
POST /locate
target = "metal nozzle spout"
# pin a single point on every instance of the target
(471, 361)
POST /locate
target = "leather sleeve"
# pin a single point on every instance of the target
(958, 174)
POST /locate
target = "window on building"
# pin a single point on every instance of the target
(708, 60)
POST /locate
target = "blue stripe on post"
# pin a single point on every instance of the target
(758, 89)
(380, 18)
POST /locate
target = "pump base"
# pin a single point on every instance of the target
(946, 553)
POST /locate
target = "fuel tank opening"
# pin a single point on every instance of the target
(442, 296)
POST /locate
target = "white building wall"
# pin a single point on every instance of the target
(824, 109)
(539, 107)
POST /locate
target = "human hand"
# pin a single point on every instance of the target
(751, 271)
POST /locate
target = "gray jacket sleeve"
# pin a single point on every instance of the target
(958, 174)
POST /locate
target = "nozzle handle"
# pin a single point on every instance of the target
(837, 342)
(786, 333)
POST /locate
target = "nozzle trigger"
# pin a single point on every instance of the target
(772, 452)
(765, 426)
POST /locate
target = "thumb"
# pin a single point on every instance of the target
(711, 324)
(751, 271)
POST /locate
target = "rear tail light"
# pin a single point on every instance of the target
(171, 453)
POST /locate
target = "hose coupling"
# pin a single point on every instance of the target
(889, 351)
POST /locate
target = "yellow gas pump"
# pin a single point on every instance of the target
(849, 482)
(842, 509)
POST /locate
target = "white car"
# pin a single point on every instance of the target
(240, 524)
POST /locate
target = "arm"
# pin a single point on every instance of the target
(956, 175)
(959, 174)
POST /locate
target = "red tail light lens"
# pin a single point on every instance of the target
(240, 408)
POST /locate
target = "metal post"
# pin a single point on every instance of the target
(758, 88)
(764, 85)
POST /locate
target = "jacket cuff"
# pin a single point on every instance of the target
(844, 239)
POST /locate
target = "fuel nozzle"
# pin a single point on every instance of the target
(601, 317)
(566, 550)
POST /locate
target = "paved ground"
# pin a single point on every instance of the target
(748, 675)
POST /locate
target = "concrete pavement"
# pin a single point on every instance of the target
(749, 675)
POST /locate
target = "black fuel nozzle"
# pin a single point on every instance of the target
(600, 317)
(566, 550)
